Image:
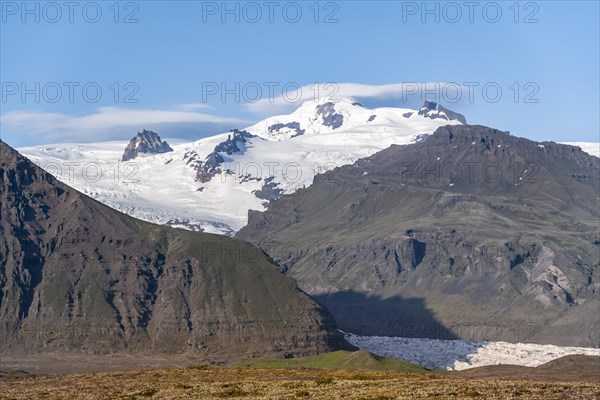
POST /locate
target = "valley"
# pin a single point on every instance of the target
(386, 200)
(394, 219)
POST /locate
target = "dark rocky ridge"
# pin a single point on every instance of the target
(295, 126)
(269, 191)
(472, 233)
(211, 166)
(77, 276)
(429, 106)
(147, 142)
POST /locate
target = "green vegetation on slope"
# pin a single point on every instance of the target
(342, 359)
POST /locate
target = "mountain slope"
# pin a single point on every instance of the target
(76, 275)
(468, 232)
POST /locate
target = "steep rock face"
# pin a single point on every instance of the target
(471, 233)
(147, 142)
(211, 166)
(76, 275)
(433, 110)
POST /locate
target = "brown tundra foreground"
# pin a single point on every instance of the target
(574, 377)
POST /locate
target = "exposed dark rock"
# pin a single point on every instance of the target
(291, 125)
(372, 118)
(249, 178)
(211, 166)
(452, 115)
(428, 106)
(433, 110)
(147, 142)
(233, 142)
(269, 191)
(330, 116)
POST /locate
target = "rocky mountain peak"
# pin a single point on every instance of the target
(429, 105)
(211, 166)
(147, 142)
(433, 110)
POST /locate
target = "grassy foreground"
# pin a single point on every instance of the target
(337, 375)
(295, 383)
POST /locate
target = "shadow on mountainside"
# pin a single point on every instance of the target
(367, 315)
(399, 318)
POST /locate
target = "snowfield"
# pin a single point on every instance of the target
(162, 188)
(590, 148)
(459, 354)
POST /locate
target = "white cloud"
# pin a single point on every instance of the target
(193, 106)
(105, 122)
(114, 122)
(406, 91)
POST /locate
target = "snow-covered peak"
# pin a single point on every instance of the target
(345, 115)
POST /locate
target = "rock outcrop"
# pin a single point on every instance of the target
(433, 110)
(146, 142)
(211, 166)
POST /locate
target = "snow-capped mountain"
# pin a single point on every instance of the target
(210, 184)
(347, 115)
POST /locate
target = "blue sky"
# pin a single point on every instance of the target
(164, 65)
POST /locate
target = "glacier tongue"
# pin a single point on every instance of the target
(459, 354)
